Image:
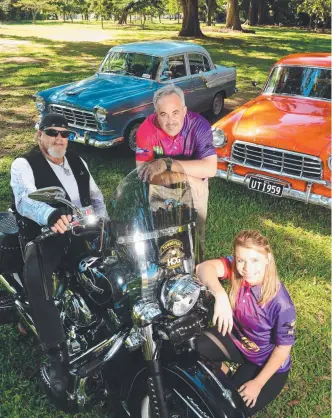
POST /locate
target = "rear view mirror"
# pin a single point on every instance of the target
(48, 194)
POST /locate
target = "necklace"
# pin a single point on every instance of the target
(65, 169)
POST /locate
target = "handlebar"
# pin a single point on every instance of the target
(83, 222)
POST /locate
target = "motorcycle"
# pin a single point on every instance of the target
(129, 301)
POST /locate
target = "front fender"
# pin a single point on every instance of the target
(196, 385)
(217, 391)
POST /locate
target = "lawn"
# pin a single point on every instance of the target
(35, 57)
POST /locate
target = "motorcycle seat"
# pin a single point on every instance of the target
(8, 224)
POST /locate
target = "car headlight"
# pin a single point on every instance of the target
(40, 103)
(329, 162)
(179, 294)
(219, 137)
(100, 114)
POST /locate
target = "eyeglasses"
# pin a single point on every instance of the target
(54, 133)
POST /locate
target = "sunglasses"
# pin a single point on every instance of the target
(54, 133)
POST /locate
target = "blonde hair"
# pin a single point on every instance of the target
(255, 240)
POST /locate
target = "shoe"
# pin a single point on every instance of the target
(59, 369)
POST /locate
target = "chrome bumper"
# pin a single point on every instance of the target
(96, 143)
(306, 197)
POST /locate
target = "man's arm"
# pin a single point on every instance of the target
(206, 167)
(23, 183)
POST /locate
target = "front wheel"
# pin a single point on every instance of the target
(130, 137)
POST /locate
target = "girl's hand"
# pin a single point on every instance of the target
(223, 315)
(249, 392)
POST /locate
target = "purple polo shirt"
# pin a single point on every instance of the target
(194, 141)
(259, 329)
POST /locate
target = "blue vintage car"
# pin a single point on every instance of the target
(107, 108)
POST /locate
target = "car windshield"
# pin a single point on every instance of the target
(300, 81)
(137, 65)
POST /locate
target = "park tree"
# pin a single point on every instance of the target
(232, 16)
(318, 10)
(190, 22)
(102, 9)
(34, 7)
(211, 6)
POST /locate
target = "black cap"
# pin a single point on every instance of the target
(53, 119)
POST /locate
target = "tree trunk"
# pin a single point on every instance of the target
(253, 13)
(34, 14)
(261, 10)
(190, 22)
(123, 18)
(233, 19)
(211, 8)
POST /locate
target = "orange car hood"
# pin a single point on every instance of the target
(298, 125)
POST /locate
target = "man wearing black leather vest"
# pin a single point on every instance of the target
(50, 164)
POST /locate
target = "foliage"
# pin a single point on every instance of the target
(321, 9)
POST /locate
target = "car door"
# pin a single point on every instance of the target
(175, 70)
(199, 67)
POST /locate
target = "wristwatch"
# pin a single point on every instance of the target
(169, 163)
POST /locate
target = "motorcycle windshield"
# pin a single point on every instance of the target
(153, 222)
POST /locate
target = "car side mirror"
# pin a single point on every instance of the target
(48, 194)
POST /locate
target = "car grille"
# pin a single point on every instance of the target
(75, 117)
(277, 161)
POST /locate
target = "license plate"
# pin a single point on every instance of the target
(266, 186)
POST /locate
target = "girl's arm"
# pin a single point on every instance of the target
(208, 273)
(251, 389)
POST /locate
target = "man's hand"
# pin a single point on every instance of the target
(147, 171)
(249, 392)
(223, 315)
(58, 222)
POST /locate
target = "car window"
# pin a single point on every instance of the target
(137, 65)
(176, 66)
(300, 81)
(198, 63)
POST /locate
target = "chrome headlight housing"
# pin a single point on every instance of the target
(100, 114)
(329, 162)
(179, 294)
(40, 103)
(219, 137)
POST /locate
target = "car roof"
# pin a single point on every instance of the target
(318, 59)
(160, 48)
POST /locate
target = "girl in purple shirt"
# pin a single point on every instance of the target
(255, 323)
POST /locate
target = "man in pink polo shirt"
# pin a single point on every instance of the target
(175, 132)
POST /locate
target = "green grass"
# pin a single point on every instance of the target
(48, 54)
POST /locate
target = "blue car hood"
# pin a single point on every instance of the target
(100, 89)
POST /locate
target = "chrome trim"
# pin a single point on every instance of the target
(226, 392)
(131, 239)
(60, 108)
(97, 143)
(283, 154)
(187, 402)
(120, 112)
(290, 193)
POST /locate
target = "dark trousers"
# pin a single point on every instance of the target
(45, 314)
(217, 348)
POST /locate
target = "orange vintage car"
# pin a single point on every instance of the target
(280, 142)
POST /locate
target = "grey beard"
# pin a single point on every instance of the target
(56, 154)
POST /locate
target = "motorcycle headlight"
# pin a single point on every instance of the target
(179, 294)
(219, 137)
(40, 103)
(329, 162)
(100, 114)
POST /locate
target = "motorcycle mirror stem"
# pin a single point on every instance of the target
(54, 195)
